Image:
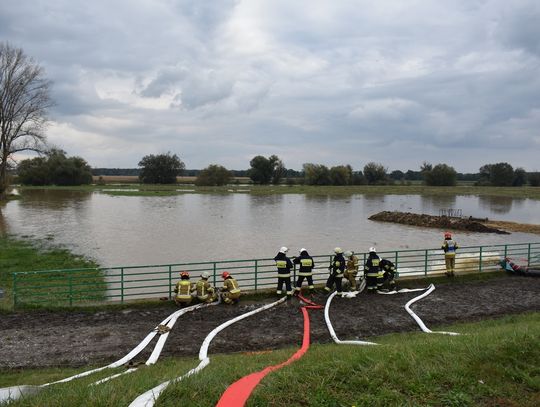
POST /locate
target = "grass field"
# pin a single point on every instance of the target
(27, 255)
(397, 189)
(497, 363)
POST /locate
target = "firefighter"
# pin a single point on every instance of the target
(337, 267)
(449, 247)
(306, 270)
(389, 273)
(230, 293)
(351, 270)
(284, 266)
(183, 290)
(371, 270)
(205, 291)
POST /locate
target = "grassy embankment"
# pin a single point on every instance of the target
(414, 189)
(495, 364)
(27, 255)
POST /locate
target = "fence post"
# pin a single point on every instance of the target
(529, 255)
(214, 274)
(70, 288)
(505, 251)
(14, 290)
(397, 263)
(170, 282)
(480, 264)
(256, 273)
(122, 285)
(425, 263)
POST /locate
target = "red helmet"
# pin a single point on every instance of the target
(184, 274)
(447, 235)
(225, 274)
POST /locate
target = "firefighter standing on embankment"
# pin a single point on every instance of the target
(449, 247)
(230, 293)
(183, 290)
(371, 270)
(351, 269)
(306, 270)
(284, 266)
(205, 291)
(337, 267)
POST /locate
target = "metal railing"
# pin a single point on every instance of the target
(90, 286)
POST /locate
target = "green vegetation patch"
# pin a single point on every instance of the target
(35, 289)
(495, 362)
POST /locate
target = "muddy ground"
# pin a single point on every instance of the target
(39, 339)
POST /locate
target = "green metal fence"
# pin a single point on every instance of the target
(119, 284)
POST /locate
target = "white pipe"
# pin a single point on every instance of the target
(423, 327)
(148, 398)
(331, 328)
(403, 290)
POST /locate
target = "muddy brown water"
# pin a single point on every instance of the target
(39, 339)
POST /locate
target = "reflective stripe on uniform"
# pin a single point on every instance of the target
(306, 262)
(281, 264)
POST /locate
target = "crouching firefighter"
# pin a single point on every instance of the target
(183, 290)
(389, 273)
(284, 266)
(337, 267)
(306, 271)
(371, 270)
(230, 293)
(351, 269)
(205, 291)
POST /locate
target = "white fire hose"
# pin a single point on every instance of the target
(148, 398)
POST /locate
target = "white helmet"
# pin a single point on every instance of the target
(283, 250)
(338, 250)
(372, 250)
(205, 275)
(302, 250)
(348, 253)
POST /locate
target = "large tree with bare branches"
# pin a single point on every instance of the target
(24, 100)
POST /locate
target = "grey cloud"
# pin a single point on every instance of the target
(519, 27)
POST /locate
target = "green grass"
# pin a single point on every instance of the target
(497, 362)
(414, 189)
(18, 255)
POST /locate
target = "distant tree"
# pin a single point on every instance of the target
(534, 179)
(500, 174)
(411, 175)
(54, 168)
(375, 173)
(426, 167)
(160, 169)
(316, 174)
(213, 175)
(520, 177)
(341, 175)
(397, 175)
(24, 100)
(265, 170)
(358, 178)
(440, 175)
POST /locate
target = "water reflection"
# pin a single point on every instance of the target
(432, 204)
(496, 204)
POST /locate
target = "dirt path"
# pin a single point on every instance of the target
(38, 339)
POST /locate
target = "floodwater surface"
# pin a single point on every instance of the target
(138, 230)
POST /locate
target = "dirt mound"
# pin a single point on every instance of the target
(440, 222)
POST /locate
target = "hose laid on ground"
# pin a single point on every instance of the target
(237, 394)
(148, 398)
(403, 290)
(15, 392)
(423, 327)
(331, 328)
(162, 339)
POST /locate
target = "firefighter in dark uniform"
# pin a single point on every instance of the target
(337, 267)
(449, 247)
(284, 266)
(306, 271)
(371, 270)
(389, 273)
(230, 292)
(183, 290)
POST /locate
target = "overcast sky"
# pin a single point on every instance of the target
(328, 82)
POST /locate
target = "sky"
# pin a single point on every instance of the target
(342, 82)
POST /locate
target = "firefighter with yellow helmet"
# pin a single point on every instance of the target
(230, 292)
(183, 290)
(351, 268)
(205, 291)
